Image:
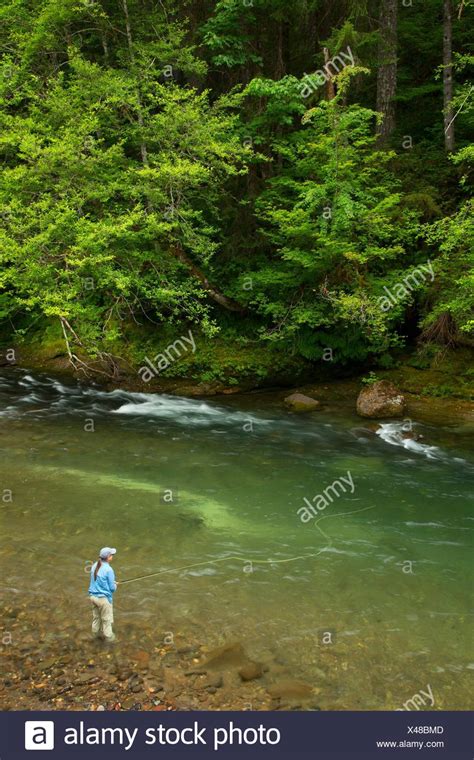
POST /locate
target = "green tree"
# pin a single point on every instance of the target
(112, 187)
(338, 231)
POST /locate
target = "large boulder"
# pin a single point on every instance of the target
(298, 402)
(381, 399)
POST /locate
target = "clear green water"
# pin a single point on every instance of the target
(239, 469)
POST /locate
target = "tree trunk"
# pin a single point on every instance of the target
(330, 88)
(448, 76)
(216, 295)
(280, 63)
(387, 72)
(143, 148)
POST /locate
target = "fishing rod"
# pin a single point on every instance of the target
(250, 561)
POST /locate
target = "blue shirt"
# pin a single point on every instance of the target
(104, 584)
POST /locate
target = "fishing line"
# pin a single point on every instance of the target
(252, 561)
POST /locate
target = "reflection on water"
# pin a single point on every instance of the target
(208, 493)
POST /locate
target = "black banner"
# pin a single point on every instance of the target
(281, 735)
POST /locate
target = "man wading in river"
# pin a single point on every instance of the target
(101, 590)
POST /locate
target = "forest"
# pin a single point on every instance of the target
(236, 343)
(288, 181)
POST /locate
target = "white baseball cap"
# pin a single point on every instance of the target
(106, 552)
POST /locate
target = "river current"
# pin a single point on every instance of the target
(368, 597)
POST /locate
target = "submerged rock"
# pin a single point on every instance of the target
(410, 435)
(48, 664)
(141, 658)
(381, 399)
(250, 671)
(290, 690)
(228, 656)
(213, 682)
(85, 678)
(298, 402)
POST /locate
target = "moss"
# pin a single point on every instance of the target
(226, 359)
(230, 360)
(435, 373)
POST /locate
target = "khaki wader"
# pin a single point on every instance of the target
(102, 617)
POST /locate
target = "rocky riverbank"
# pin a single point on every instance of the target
(45, 670)
(222, 369)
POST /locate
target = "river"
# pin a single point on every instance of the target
(369, 599)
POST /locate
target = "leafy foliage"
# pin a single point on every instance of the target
(162, 168)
